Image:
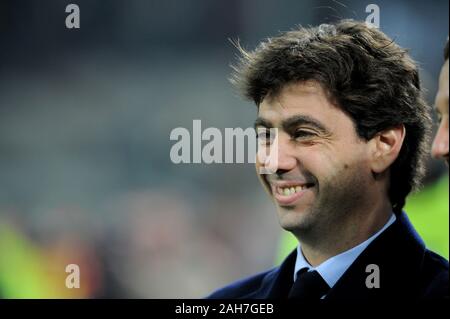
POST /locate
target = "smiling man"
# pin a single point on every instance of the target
(351, 133)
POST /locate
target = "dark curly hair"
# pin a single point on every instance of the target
(364, 72)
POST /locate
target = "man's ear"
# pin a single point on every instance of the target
(385, 147)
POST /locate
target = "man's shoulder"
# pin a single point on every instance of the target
(244, 288)
(435, 275)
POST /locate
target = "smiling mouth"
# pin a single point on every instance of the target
(289, 194)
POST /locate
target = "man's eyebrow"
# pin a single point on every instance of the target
(262, 122)
(292, 122)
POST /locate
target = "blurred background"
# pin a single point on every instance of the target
(85, 119)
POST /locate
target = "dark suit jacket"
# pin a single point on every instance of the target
(406, 270)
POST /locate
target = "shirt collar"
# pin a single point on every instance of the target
(333, 268)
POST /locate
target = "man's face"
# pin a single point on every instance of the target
(323, 172)
(440, 143)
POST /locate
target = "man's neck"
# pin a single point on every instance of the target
(340, 238)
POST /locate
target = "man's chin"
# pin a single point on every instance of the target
(292, 219)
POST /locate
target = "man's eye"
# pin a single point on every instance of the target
(302, 134)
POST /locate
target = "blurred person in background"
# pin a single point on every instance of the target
(440, 143)
(352, 130)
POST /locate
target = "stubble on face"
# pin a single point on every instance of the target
(336, 199)
(328, 153)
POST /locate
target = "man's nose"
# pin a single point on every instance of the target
(440, 143)
(286, 156)
(282, 157)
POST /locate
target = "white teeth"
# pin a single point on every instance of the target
(286, 192)
(298, 188)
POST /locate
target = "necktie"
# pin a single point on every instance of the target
(308, 285)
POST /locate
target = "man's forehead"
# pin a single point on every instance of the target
(297, 99)
(294, 90)
(293, 97)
